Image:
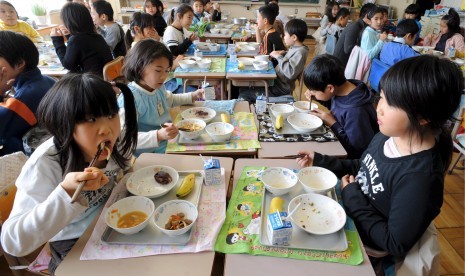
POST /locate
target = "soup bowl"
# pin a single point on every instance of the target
(130, 215)
(163, 213)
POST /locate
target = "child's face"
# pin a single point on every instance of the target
(443, 27)
(9, 72)
(150, 9)
(208, 6)
(89, 134)
(154, 74)
(392, 121)
(409, 16)
(343, 21)
(8, 15)
(198, 7)
(261, 22)
(98, 20)
(186, 19)
(409, 39)
(385, 18)
(334, 10)
(376, 22)
(289, 39)
(320, 95)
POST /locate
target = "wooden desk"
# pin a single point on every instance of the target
(245, 265)
(217, 38)
(174, 264)
(241, 106)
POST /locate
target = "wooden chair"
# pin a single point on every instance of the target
(301, 85)
(458, 139)
(113, 69)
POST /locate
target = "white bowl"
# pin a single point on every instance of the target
(219, 25)
(204, 63)
(214, 31)
(459, 61)
(125, 206)
(428, 48)
(191, 123)
(279, 181)
(214, 47)
(262, 57)
(419, 49)
(228, 26)
(283, 109)
(241, 43)
(201, 45)
(438, 53)
(317, 180)
(202, 113)
(246, 48)
(246, 60)
(255, 45)
(303, 106)
(304, 122)
(225, 31)
(220, 131)
(318, 214)
(260, 65)
(186, 63)
(173, 207)
(142, 182)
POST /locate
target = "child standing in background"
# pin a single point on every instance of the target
(372, 41)
(395, 190)
(81, 112)
(332, 7)
(401, 47)
(147, 65)
(86, 50)
(141, 26)
(177, 38)
(333, 31)
(9, 22)
(155, 9)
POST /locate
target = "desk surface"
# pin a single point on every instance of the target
(245, 265)
(174, 264)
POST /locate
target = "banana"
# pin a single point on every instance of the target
(225, 118)
(276, 204)
(187, 186)
(279, 122)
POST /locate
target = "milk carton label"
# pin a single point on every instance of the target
(279, 230)
(209, 93)
(212, 172)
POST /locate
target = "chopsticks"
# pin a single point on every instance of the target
(91, 164)
(179, 128)
(310, 106)
(295, 156)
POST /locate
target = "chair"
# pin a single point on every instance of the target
(112, 70)
(458, 139)
(301, 84)
(378, 68)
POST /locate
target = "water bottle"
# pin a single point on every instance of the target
(247, 25)
(451, 52)
(260, 104)
(233, 55)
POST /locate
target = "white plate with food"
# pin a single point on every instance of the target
(154, 181)
(203, 113)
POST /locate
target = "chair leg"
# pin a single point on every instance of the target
(451, 168)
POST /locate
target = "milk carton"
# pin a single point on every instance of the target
(279, 230)
(212, 172)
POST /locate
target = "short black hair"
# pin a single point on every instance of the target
(343, 12)
(103, 7)
(297, 27)
(412, 9)
(275, 7)
(267, 2)
(16, 48)
(323, 70)
(140, 19)
(157, 4)
(76, 18)
(141, 55)
(269, 13)
(372, 12)
(9, 4)
(407, 26)
(366, 9)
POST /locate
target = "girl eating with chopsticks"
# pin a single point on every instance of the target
(81, 113)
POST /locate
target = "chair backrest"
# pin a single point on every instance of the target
(378, 68)
(330, 44)
(113, 69)
(10, 168)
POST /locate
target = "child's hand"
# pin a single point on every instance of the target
(383, 36)
(94, 178)
(5, 83)
(56, 32)
(216, 6)
(245, 38)
(63, 30)
(277, 54)
(176, 62)
(198, 95)
(192, 37)
(346, 180)
(169, 131)
(307, 160)
(326, 117)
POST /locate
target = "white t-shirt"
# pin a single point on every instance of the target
(173, 36)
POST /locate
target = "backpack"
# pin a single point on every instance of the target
(120, 48)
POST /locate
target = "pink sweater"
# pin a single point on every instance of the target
(456, 40)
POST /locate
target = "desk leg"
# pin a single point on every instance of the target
(185, 85)
(229, 89)
(222, 88)
(265, 83)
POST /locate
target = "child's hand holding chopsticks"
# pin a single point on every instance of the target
(93, 177)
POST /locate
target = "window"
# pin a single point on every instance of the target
(24, 7)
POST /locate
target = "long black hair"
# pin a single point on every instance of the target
(140, 19)
(74, 98)
(429, 88)
(77, 19)
(453, 23)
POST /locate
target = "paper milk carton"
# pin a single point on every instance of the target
(212, 172)
(279, 231)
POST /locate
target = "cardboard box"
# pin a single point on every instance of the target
(279, 230)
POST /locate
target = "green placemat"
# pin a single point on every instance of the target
(240, 231)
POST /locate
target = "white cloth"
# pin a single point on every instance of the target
(42, 209)
(358, 66)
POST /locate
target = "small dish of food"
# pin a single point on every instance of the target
(262, 57)
(202, 113)
(191, 128)
(220, 131)
(130, 215)
(245, 60)
(204, 63)
(215, 31)
(260, 65)
(186, 63)
(153, 181)
(175, 217)
(304, 106)
(284, 109)
(317, 180)
(279, 181)
(304, 122)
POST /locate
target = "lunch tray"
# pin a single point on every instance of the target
(288, 129)
(300, 239)
(204, 138)
(151, 235)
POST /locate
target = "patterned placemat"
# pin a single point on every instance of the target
(267, 133)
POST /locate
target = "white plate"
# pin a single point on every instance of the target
(246, 60)
(318, 214)
(142, 182)
(192, 113)
(304, 122)
(246, 48)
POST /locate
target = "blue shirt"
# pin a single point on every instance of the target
(396, 51)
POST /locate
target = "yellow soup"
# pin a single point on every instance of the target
(131, 219)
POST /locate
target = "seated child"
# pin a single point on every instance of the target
(141, 26)
(213, 10)
(333, 31)
(18, 67)
(400, 48)
(147, 65)
(331, 10)
(9, 22)
(372, 41)
(199, 14)
(352, 117)
(155, 8)
(177, 38)
(86, 50)
(271, 40)
(449, 35)
(412, 12)
(102, 15)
